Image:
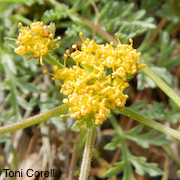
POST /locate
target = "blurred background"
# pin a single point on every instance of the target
(25, 91)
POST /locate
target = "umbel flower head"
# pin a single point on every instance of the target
(96, 84)
(38, 39)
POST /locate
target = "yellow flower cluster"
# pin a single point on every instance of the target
(96, 84)
(38, 39)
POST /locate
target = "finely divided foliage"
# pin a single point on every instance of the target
(93, 76)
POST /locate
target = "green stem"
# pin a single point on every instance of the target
(87, 155)
(151, 123)
(52, 60)
(127, 174)
(34, 120)
(162, 85)
(114, 123)
(20, 18)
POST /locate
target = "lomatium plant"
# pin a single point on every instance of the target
(93, 87)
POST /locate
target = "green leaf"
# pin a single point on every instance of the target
(52, 60)
(27, 2)
(167, 47)
(143, 167)
(11, 42)
(77, 125)
(145, 140)
(60, 11)
(174, 117)
(4, 138)
(52, 27)
(139, 105)
(28, 58)
(150, 5)
(139, 163)
(25, 86)
(147, 23)
(14, 101)
(110, 9)
(173, 114)
(145, 82)
(124, 20)
(58, 122)
(119, 166)
(138, 15)
(155, 111)
(24, 104)
(171, 15)
(164, 74)
(135, 130)
(83, 124)
(127, 31)
(128, 173)
(114, 144)
(8, 60)
(89, 124)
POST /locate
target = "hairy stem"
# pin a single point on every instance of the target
(151, 123)
(34, 120)
(162, 85)
(87, 155)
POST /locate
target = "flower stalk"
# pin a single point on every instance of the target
(150, 123)
(87, 155)
(34, 120)
(162, 85)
